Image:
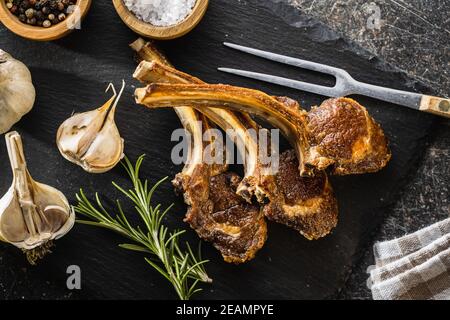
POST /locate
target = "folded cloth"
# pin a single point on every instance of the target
(416, 266)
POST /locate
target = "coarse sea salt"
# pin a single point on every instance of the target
(161, 13)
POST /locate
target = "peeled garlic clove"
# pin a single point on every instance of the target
(32, 214)
(92, 139)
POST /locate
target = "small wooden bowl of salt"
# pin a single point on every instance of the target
(161, 19)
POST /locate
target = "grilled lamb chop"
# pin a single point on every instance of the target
(237, 229)
(306, 204)
(338, 134)
(313, 212)
(341, 132)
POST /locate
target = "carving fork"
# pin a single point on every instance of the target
(345, 84)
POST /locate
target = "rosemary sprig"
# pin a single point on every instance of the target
(182, 268)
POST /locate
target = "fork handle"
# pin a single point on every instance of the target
(435, 105)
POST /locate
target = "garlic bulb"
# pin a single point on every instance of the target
(32, 214)
(17, 92)
(91, 139)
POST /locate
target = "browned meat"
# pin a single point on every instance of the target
(313, 220)
(343, 134)
(306, 204)
(236, 228)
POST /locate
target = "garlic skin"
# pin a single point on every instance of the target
(17, 93)
(92, 139)
(32, 214)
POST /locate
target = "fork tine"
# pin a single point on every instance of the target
(295, 84)
(300, 63)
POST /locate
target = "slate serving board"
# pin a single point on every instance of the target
(71, 75)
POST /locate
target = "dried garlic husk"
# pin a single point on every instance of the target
(92, 139)
(32, 214)
(17, 93)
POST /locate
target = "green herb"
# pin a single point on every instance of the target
(182, 268)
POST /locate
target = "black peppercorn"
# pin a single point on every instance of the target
(43, 13)
(32, 21)
(53, 5)
(39, 15)
(25, 4)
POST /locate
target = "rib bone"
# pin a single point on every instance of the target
(340, 133)
(240, 124)
(194, 124)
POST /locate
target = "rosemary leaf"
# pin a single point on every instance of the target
(181, 267)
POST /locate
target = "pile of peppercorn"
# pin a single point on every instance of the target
(43, 13)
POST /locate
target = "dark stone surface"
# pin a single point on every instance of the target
(406, 30)
(411, 35)
(424, 201)
(71, 74)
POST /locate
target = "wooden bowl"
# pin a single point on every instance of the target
(161, 33)
(60, 30)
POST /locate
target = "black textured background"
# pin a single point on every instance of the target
(71, 74)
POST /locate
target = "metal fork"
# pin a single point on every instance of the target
(345, 84)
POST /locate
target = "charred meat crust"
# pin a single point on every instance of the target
(342, 131)
(306, 204)
(237, 229)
